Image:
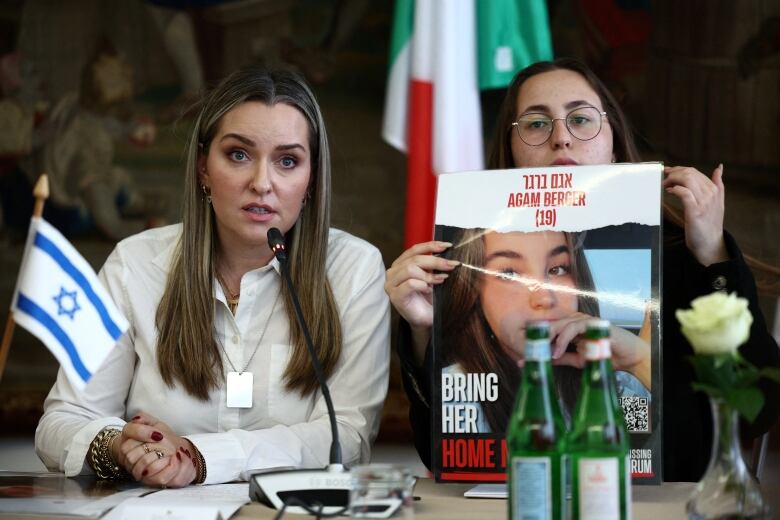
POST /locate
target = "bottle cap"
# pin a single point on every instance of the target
(597, 329)
(537, 340)
(537, 329)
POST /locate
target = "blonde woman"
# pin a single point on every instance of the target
(213, 378)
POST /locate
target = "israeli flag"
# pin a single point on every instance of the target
(60, 299)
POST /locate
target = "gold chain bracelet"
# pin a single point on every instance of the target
(101, 459)
(201, 478)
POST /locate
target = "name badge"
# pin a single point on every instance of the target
(239, 389)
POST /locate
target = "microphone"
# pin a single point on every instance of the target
(277, 245)
(317, 491)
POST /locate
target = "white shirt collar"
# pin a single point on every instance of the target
(164, 259)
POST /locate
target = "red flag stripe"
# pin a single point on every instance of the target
(420, 178)
(472, 476)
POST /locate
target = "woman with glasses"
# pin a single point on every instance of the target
(558, 113)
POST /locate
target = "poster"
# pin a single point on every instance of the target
(560, 243)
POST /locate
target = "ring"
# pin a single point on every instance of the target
(159, 454)
(146, 448)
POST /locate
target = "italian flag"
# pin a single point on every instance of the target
(437, 66)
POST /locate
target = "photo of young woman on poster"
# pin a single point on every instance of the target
(507, 279)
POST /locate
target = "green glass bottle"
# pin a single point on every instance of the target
(598, 445)
(536, 435)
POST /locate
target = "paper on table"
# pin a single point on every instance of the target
(220, 501)
(82, 506)
(486, 491)
(98, 507)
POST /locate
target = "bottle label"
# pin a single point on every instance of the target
(531, 488)
(537, 350)
(627, 476)
(597, 349)
(599, 489)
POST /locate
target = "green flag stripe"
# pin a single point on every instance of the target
(511, 34)
(403, 20)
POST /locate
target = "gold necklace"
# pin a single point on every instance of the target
(232, 299)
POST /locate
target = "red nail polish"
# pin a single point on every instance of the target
(136, 418)
(157, 436)
(144, 473)
(178, 456)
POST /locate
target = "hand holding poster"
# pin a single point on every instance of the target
(562, 244)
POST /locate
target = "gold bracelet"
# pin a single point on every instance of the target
(201, 478)
(101, 459)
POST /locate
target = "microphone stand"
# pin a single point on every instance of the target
(324, 492)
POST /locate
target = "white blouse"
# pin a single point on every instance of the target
(281, 428)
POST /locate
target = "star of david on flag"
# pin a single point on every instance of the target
(60, 299)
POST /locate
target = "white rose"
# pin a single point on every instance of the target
(717, 323)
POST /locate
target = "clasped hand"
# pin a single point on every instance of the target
(153, 454)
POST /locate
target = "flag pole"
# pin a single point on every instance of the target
(41, 193)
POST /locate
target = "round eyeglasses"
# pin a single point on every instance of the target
(584, 123)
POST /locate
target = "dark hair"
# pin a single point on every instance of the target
(469, 340)
(623, 145)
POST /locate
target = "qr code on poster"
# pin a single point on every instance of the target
(637, 413)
